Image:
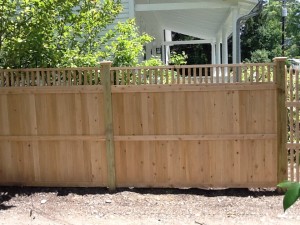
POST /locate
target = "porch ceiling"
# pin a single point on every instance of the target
(204, 19)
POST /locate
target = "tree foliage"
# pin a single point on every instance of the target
(56, 33)
(293, 28)
(178, 59)
(263, 32)
(153, 61)
(259, 56)
(127, 45)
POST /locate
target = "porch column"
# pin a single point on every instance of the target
(213, 53)
(168, 37)
(213, 56)
(224, 50)
(224, 47)
(234, 33)
(218, 50)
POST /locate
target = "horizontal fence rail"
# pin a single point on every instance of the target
(293, 106)
(187, 74)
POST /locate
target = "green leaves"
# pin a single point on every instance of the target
(55, 33)
(127, 46)
(263, 32)
(292, 194)
(178, 59)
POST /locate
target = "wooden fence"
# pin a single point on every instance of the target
(174, 126)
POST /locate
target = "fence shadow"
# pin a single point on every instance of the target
(230, 192)
(5, 197)
(9, 192)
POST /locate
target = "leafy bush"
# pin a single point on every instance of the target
(178, 59)
(259, 56)
(54, 33)
(165, 75)
(153, 61)
(127, 47)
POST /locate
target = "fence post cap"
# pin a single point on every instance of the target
(280, 59)
(105, 62)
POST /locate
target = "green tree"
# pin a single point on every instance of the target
(259, 56)
(292, 30)
(263, 32)
(56, 33)
(127, 46)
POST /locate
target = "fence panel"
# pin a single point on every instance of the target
(171, 126)
(52, 137)
(200, 138)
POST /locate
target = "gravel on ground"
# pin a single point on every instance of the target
(134, 206)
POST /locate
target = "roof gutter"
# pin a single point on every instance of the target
(254, 12)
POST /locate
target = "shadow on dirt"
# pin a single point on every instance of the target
(232, 192)
(4, 197)
(6, 193)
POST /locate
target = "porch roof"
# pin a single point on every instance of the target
(205, 19)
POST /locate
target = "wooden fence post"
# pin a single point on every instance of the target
(109, 129)
(280, 80)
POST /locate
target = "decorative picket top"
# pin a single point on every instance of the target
(49, 77)
(187, 74)
(194, 74)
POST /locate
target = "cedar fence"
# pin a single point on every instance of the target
(293, 105)
(171, 126)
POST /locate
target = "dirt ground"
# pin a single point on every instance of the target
(53, 206)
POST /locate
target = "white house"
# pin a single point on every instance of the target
(213, 21)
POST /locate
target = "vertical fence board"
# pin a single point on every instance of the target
(281, 119)
(108, 115)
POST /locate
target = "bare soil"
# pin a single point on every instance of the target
(53, 206)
